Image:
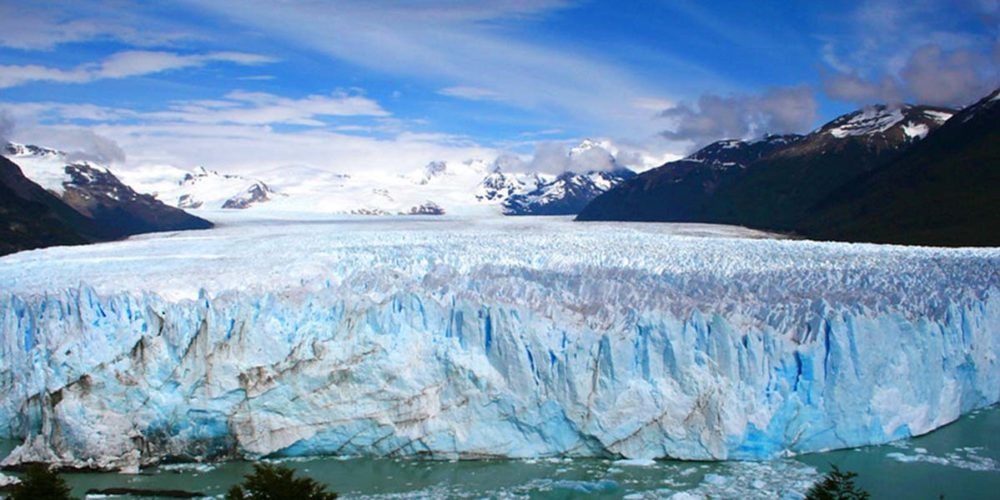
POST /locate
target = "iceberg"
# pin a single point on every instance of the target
(457, 339)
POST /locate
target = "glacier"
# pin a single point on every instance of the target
(459, 338)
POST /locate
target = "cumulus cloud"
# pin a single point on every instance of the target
(549, 158)
(923, 52)
(85, 145)
(853, 88)
(778, 110)
(958, 77)
(931, 75)
(121, 65)
(552, 157)
(591, 159)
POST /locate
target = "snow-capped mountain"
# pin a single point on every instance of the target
(211, 189)
(567, 194)
(911, 122)
(504, 185)
(735, 153)
(499, 186)
(879, 127)
(591, 170)
(940, 191)
(771, 183)
(31, 217)
(95, 192)
(201, 188)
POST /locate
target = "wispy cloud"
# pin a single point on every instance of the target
(261, 108)
(472, 50)
(471, 93)
(121, 65)
(46, 24)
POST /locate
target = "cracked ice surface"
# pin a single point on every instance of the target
(457, 338)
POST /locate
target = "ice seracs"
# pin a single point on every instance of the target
(499, 338)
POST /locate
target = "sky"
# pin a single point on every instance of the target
(369, 85)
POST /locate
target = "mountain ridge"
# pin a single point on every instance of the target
(781, 189)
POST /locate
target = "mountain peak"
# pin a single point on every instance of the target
(915, 121)
(588, 145)
(22, 150)
(736, 153)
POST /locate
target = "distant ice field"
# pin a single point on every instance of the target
(248, 252)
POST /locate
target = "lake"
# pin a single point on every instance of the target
(959, 461)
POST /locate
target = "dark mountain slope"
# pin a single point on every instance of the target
(117, 210)
(90, 205)
(31, 217)
(772, 183)
(944, 190)
(684, 190)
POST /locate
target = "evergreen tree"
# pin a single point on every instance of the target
(40, 483)
(274, 482)
(837, 485)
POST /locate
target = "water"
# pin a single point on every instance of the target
(960, 461)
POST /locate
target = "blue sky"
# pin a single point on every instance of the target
(238, 84)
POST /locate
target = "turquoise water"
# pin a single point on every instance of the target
(960, 461)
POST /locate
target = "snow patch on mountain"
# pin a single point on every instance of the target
(938, 116)
(201, 188)
(915, 130)
(870, 120)
(46, 167)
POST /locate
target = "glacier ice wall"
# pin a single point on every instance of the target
(504, 360)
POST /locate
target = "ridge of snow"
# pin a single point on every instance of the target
(45, 167)
(938, 116)
(868, 121)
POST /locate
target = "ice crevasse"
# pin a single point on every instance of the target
(420, 355)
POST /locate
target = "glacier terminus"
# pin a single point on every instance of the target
(452, 338)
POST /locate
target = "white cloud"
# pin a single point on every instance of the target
(469, 49)
(6, 126)
(931, 75)
(914, 50)
(471, 93)
(254, 149)
(652, 104)
(46, 24)
(237, 134)
(777, 110)
(259, 108)
(121, 65)
(959, 77)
